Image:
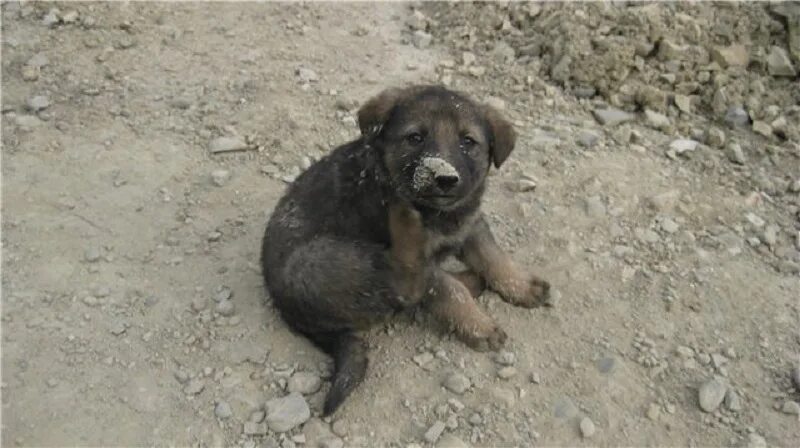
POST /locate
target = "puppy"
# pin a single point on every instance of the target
(361, 234)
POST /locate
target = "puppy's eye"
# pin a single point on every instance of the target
(415, 138)
(468, 142)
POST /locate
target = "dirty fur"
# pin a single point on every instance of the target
(361, 234)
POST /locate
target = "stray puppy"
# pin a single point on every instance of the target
(361, 234)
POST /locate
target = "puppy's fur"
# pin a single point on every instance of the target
(361, 234)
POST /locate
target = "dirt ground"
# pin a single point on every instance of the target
(133, 309)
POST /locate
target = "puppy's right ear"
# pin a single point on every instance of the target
(374, 114)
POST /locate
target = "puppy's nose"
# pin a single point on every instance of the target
(446, 182)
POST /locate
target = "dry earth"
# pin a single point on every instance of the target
(133, 311)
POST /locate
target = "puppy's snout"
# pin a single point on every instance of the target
(435, 172)
(446, 182)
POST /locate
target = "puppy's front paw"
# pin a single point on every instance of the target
(493, 339)
(532, 293)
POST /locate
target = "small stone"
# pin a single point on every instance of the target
(423, 359)
(606, 364)
(755, 220)
(731, 56)
(306, 75)
(305, 383)
(286, 413)
(331, 442)
(669, 226)
(594, 207)
(421, 39)
(736, 116)
(339, 427)
(587, 427)
(755, 441)
(456, 383)
(506, 373)
(51, 18)
(70, 17)
(225, 308)
(450, 441)
(656, 120)
(587, 139)
(194, 387)
(30, 73)
(704, 358)
(181, 376)
(664, 202)
(612, 116)
(653, 411)
(778, 63)
(434, 432)
(223, 410)
(711, 394)
(684, 352)
(92, 255)
(220, 177)
(715, 137)
(732, 401)
(223, 293)
(762, 128)
(38, 102)
(735, 153)
(118, 328)
(683, 145)
(255, 429)
(791, 408)
(770, 235)
(505, 358)
(227, 144)
(684, 103)
(535, 378)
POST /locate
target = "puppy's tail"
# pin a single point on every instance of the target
(350, 365)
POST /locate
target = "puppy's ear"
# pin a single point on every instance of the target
(503, 136)
(374, 114)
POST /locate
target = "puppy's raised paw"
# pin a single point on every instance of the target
(534, 293)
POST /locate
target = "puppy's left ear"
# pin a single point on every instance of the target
(375, 112)
(503, 136)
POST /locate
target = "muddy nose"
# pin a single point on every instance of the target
(446, 182)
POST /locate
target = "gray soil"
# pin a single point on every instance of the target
(656, 185)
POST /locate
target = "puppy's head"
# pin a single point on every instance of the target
(437, 145)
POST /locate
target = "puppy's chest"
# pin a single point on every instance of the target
(443, 242)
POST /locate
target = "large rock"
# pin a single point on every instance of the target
(711, 394)
(286, 413)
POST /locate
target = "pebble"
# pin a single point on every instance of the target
(423, 359)
(755, 441)
(762, 128)
(286, 413)
(199, 304)
(456, 383)
(735, 153)
(791, 408)
(731, 56)
(755, 220)
(664, 202)
(118, 328)
(732, 401)
(656, 120)
(223, 410)
(770, 235)
(796, 376)
(682, 145)
(495, 102)
(505, 358)
(711, 394)
(225, 308)
(669, 226)
(606, 364)
(684, 103)
(587, 427)
(227, 144)
(92, 255)
(434, 432)
(38, 102)
(220, 177)
(778, 63)
(506, 373)
(194, 387)
(612, 116)
(588, 139)
(181, 376)
(594, 207)
(306, 75)
(450, 441)
(305, 383)
(339, 427)
(736, 116)
(715, 137)
(421, 39)
(255, 429)
(535, 378)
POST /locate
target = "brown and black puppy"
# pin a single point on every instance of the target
(361, 234)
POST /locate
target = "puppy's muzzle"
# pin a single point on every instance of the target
(435, 173)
